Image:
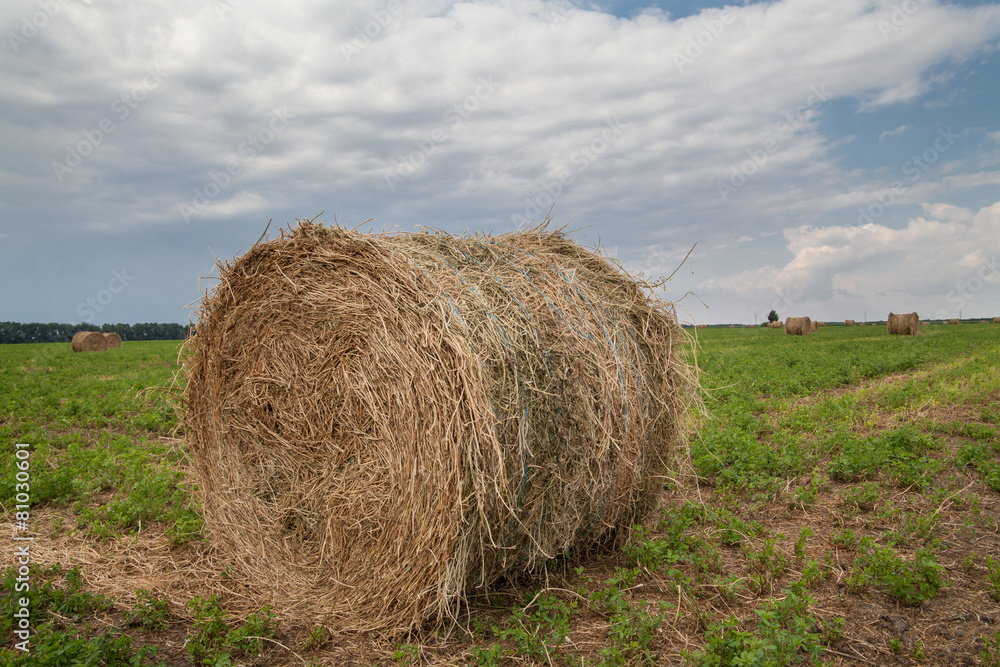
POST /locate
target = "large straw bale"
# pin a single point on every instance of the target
(904, 324)
(849, 323)
(88, 341)
(798, 326)
(996, 320)
(382, 424)
(114, 340)
(954, 320)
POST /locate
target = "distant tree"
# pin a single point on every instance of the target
(772, 316)
(54, 332)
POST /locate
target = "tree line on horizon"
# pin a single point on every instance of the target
(53, 332)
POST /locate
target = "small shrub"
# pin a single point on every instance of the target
(845, 538)
(149, 613)
(800, 544)
(993, 577)
(786, 632)
(990, 654)
(863, 496)
(51, 647)
(538, 634)
(909, 582)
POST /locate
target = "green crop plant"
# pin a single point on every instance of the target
(910, 582)
(540, 633)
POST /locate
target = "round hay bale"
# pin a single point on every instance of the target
(821, 324)
(954, 320)
(114, 340)
(904, 324)
(849, 323)
(381, 424)
(798, 326)
(88, 341)
(996, 320)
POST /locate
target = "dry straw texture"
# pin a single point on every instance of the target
(798, 326)
(996, 320)
(114, 340)
(849, 323)
(88, 341)
(905, 324)
(382, 424)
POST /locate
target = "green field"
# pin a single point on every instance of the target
(840, 506)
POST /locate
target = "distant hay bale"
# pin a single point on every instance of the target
(114, 340)
(996, 320)
(954, 320)
(88, 341)
(849, 323)
(382, 424)
(798, 326)
(815, 326)
(904, 324)
(983, 322)
(775, 325)
(821, 324)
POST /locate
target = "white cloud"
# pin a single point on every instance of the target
(835, 272)
(894, 132)
(628, 124)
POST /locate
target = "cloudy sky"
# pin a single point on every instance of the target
(832, 159)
